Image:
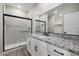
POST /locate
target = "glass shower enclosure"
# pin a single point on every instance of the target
(15, 31)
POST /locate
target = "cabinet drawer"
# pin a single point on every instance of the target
(50, 53)
(58, 51)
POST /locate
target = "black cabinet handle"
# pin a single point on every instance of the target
(58, 52)
(48, 54)
(35, 48)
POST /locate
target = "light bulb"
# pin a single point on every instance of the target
(60, 14)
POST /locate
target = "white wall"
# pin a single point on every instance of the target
(1, 27)
(55, 24)
(14, 11)
(51, 21)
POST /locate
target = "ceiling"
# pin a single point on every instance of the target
(64, 8)
(22, 6)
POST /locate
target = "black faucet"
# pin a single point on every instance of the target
(46, 33)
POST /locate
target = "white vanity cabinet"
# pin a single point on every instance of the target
(41, 48)
(56, 51)
(30, 46)
(36, 47)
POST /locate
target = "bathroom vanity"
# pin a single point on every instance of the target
(38, 45)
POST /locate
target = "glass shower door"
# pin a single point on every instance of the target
(16, 30)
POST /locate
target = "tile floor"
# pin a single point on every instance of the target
(19, 51)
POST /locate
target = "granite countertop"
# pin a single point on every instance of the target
(69, 45)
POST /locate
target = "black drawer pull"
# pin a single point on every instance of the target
(35, 48)
(48, 54)
(58, 52)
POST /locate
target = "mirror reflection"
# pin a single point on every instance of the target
(40, 27)
(64, 19)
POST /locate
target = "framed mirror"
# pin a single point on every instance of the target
(40, 27)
